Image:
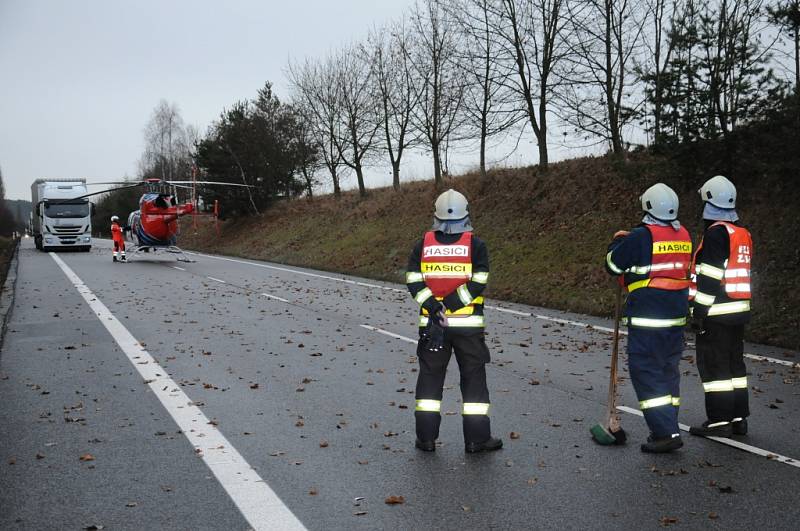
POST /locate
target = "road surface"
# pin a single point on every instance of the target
(234, 394)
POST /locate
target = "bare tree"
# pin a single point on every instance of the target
(317, 90)
(653, 68)
(438, 82)
(734, 59)
(786, 15)
(532, 38)
(600, 99)
(359, 110)
(167, 150)
(488, 102)
(393, 79)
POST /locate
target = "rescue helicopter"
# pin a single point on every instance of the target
(154, 226)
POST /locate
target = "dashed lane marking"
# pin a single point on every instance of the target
(217, 280)
(275, 297)
(729, 442)
(510, 311)
(258, 503)
(178, 268)
(390, 334)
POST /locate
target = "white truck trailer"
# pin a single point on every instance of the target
(58, 219)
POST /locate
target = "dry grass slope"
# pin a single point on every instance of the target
(547, 232)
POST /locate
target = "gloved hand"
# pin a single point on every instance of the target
(697, 325)
(435, 335)
(621, 234)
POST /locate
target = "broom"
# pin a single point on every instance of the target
(610, 432)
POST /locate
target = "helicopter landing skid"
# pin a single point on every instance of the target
(173, 249)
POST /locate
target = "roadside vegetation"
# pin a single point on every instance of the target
(547, 231)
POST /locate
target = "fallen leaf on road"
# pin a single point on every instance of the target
(313, 492)
(12, 461)
(667, 520)
(131, 504)
(39, 455)
(726, 490)
(254, 386)
(514, 435)
(86, 457)
(359, 513)
(713, 515)
(394, 500)
(94, 527)
(323, 443)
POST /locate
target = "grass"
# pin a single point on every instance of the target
(6, 252)
(547, 232)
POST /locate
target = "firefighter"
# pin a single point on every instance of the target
(447, 272)
(119, 239)
(720, 309)
(653, 261)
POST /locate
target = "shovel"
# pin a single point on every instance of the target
(610, 432)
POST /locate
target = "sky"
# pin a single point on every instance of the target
(79, 79)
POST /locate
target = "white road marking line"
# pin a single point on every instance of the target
(518, 313)
(217, 280)
(390, 334)
(178, 268)
(267, 295)
(729, 442)
(296, 272)
(259, 504)
(772, 456)
(788, 363)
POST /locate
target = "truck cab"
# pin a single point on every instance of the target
(61, 218)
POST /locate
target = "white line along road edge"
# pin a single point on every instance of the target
(488, 306)
(728, 442)
(259, 504)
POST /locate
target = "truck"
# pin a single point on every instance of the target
(61, 218)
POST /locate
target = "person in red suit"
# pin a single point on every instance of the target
(119, 239)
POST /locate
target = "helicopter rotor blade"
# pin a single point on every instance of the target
(70, 200)
(217, 183)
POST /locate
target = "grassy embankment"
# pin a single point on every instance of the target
(547, 232)
(6, 252)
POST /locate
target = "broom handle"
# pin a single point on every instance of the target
(613, 418)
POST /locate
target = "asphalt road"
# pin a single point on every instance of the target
(254, 395)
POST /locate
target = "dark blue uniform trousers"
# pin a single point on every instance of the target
(653, 358)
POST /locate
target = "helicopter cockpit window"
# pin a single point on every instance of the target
(66, 210)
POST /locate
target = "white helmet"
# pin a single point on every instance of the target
(451, 206)
(661, 202)
(114, 218)
(719, 191)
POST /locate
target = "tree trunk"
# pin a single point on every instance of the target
(437, 166)
(337, 191)
(797, 60)
(483, 152)
(396, 174)
(362, 190)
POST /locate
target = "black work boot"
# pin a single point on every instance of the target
(739, 427)
(662, 445)
(489, 445)
(115, 258)
(712, 429)
(426, 446)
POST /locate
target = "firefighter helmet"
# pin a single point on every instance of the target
(719, 191)
(114, 219)
(451, 206)
(661, 202)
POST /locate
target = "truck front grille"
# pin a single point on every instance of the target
(68, 229)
